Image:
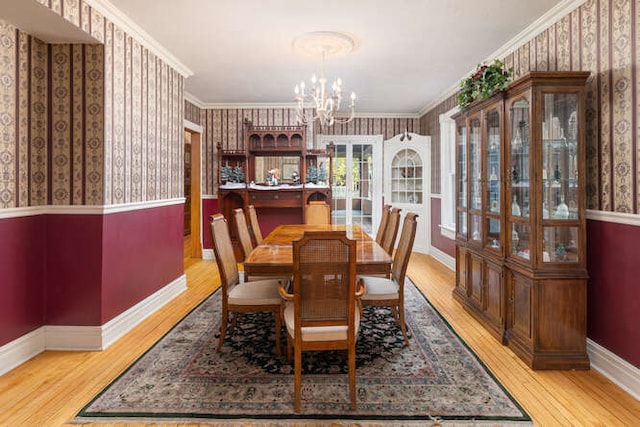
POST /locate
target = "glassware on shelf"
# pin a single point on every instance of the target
(556, 173)
(562, 211)
(515, 207)
(493, 176)
(561, 253)
(545, 210)
(516, 142)
(515, 175)
(514, 239)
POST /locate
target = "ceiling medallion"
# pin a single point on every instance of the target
(324, 103)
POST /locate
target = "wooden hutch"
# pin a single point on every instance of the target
(520, 217)
(244, 179)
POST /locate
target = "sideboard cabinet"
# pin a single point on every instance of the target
(273, 171)
(520, 217)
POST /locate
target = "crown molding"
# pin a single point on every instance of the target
(249, 106)
(552, 16)
(188, 96)
(116, 16)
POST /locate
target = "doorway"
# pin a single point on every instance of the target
(356, 189)
(192, 191)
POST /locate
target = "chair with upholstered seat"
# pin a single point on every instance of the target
(389, 292)
(391, 231)
(240, 297)
(242, 231)
(246, 244)
(383, 224)
(323, 312)
(317, 212)
(255, 226)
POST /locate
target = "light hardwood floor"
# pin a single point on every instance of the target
(51, 388)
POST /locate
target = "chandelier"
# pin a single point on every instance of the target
(324, 103)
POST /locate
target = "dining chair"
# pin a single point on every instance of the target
(241, 297)
(317, 212)
(383, 224)
(243, 232)
(391, 230)
(389, 292)
(255, 226)
(323, 312)
(247, 245)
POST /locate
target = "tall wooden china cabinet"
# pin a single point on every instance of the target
(273, 171)
(520, 220)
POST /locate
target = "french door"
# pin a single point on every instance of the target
(356, 190)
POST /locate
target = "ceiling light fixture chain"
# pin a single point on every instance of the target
(324, 104)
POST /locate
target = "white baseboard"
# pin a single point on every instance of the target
(208, 254)
(123, 323)
(20, 350)
(619, 371)
(443, 258)
(86, 338)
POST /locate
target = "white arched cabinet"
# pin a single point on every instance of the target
(407, 181)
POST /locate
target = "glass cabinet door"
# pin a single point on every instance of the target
(461, 180)
(560, 186)
(406, 177)
(493, 180)
(519, 170)
(475, 180)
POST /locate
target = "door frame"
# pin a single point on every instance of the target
(377, 177)
(196, 187)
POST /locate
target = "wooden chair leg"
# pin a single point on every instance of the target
(278, 322)
(403, 324)
(223, 327)
(298, 378)
(352, 376)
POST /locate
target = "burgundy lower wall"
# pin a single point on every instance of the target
(613, 297)
(142, 252)
(269, 218)
(446, 245)
(83, 270)
(22, 276)
(209, 207)
(74, 267)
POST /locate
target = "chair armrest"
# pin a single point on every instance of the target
(360, 288)
(283, 292)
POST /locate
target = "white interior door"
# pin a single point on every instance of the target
(407, 183)
(356, 190)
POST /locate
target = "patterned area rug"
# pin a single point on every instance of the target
(182, 378)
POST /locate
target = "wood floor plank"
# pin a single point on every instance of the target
(51, 388)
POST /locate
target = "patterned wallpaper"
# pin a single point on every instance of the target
(191, 112)
(430, 125)
(601, 36)
(226, 126)
(144, 113)
(87, 124)
(24, 121)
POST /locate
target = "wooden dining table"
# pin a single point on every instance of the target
(274, 257)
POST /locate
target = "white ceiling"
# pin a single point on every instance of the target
(408, 51)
